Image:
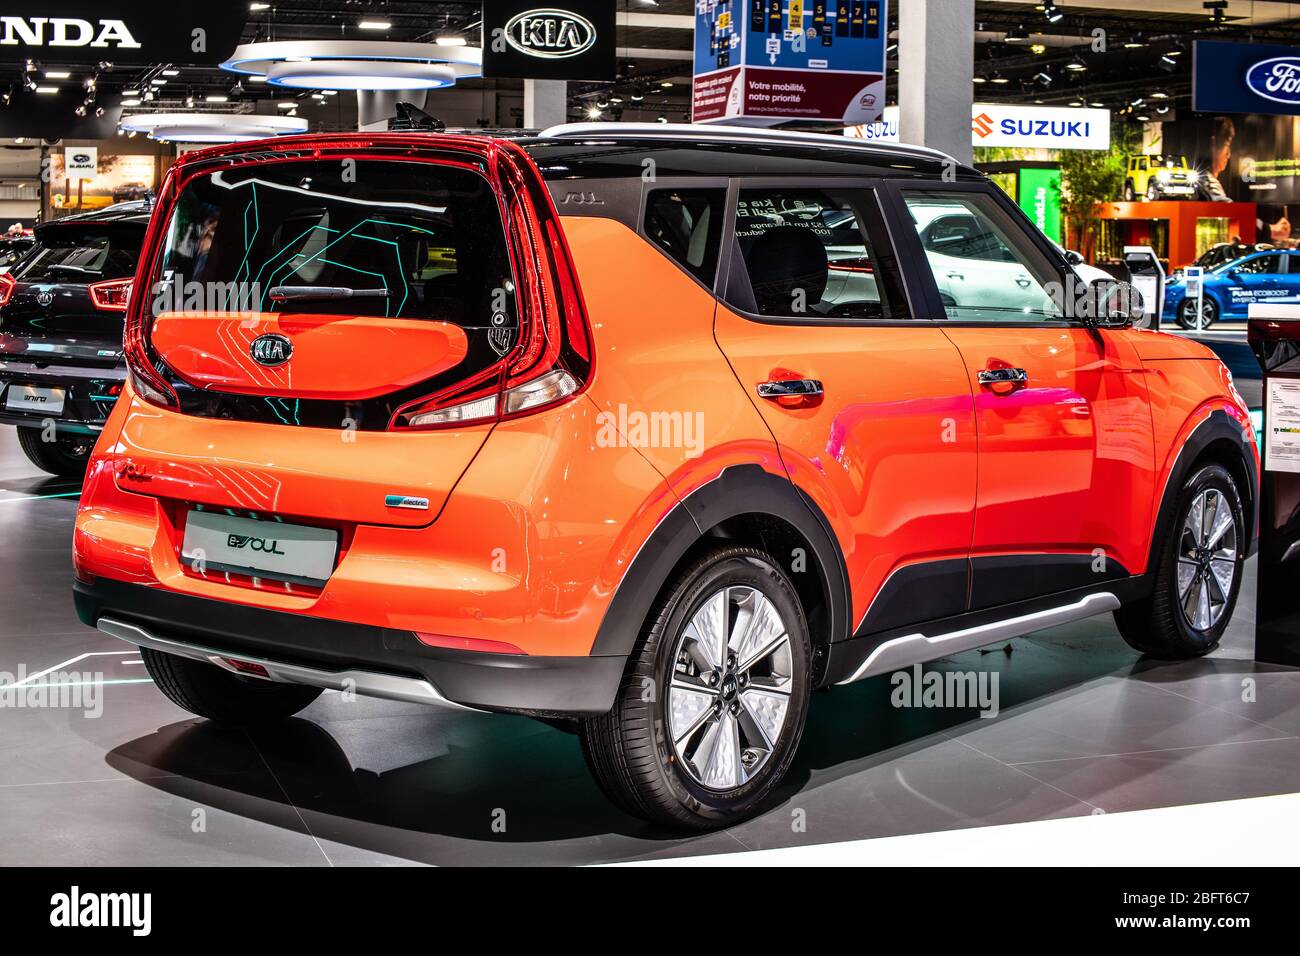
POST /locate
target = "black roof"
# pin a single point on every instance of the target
(125, 213)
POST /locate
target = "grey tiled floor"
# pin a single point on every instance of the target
(1084, 727)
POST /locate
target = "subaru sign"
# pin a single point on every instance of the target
(1245, 78)
(1001, 124)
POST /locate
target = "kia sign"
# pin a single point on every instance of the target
(999, 124)
(121, 31)
(767, 62)
(1245, 78)
(573, 40)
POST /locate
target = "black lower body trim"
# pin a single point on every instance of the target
(516, 683)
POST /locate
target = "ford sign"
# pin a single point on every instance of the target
(550, 34)
(1276, 79)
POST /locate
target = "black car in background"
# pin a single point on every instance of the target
(13, 248)
(61, 311)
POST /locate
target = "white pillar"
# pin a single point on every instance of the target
(546, 103)
(936, 66)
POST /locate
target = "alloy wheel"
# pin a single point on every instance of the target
(730, 689)
(1207, 559)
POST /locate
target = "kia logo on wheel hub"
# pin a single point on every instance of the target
(550, 34)
(271, 350)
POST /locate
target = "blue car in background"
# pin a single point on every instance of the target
(1271, 276)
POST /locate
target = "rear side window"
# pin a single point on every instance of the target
(815, 255)
(81, 254)
(398, 240)
(687, 225)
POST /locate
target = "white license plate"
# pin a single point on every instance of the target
(30, 398)
(269, 549)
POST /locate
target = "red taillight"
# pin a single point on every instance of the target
(858, 264)
(147, 382)
(112, 295)
(7, 284)
(552, 360)
(245, 667)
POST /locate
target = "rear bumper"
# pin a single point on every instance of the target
(87, 403)
(374, 661)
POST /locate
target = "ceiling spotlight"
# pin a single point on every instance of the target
(1159, 95)
(1097, 104)
(286, 105)
(1076, 65)
(259, 6)
(80, 111)
(980, 78)
(189, 102)
(104, 66)
(158, 81)
(1038, 49)
(1076, 101)
(47, 89)
(637, 96)
(451, 41)
(593, 113)
(1162, 109)
(1017, 35)
(216, 98)
(1135, 42)
(374, 25)
(171, 72)
(99, 111)
(29, 83)
(57, 74)
(666, 84)
(131, 102)
(1218, 10)
(1167, 62)
(1051, 12)
(661, 118)
(1043, 77)
(999, 80)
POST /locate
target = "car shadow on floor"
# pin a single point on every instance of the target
(447, 778)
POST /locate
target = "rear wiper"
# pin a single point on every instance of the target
(284, 293)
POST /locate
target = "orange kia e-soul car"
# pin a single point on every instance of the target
(645, 431)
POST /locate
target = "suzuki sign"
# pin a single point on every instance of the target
(1001, 124)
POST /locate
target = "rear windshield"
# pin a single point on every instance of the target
(360, 238)
(81, 254)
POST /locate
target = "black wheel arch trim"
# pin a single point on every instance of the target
(736, 491)
(1219, 425)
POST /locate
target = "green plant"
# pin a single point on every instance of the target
(1092, 177)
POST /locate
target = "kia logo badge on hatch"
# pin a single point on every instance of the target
(1276, 79)
(271, 350)
(550, 34)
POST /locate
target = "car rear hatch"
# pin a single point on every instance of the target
(333, 325)
(63, 303)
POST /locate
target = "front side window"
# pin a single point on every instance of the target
(986, 266)
(815, 254)
(1260, 265)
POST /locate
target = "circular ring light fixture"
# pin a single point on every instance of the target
(356, 64)
(211, 127)
(377, 75)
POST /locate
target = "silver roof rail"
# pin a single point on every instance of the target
(705, 132)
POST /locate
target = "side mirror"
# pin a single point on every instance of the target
(1113, 304)
(1073, 258)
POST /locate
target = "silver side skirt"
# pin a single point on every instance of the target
(415, 690)
(918, 648)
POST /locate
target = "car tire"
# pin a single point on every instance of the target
(66, 456)
(1197, 576)
(708, 750)
(207, 690)
(1153, 192)
(1129, 194)
(1187, 313)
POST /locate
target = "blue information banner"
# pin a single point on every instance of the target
(770, 61)
(1245, 78)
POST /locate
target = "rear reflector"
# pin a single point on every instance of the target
(245, 667)
(468, 644)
